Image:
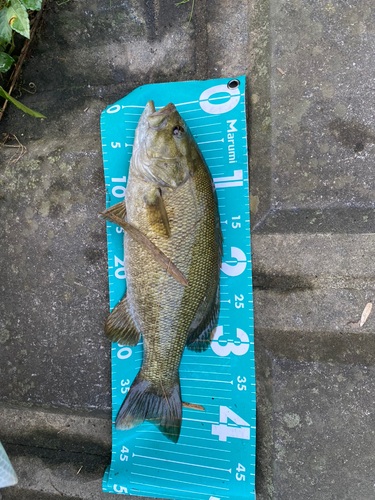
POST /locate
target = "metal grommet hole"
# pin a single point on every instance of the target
(233, 84)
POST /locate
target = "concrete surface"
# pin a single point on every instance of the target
(312, 187)
(310, 110)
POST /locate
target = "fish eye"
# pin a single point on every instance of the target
(177, 130)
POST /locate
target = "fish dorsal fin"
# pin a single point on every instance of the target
(119, 210)
(120, 326)
(205, 320)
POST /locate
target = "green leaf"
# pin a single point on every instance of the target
(18, 18)
(19, 104)
(5, 29)
(6, 62)
(32, 4)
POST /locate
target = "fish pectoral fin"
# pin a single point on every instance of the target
(119, 210)
(163, 213)
(204, 322)
(151, 400)
(146, 243)
(157, 211)
(120, 326)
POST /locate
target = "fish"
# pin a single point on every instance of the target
(7, 475)
(172, 259)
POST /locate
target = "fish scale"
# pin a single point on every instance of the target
(214, 458)
(178, 246)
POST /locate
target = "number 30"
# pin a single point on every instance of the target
(230, 346)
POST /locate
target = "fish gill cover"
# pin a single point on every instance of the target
(214, 458)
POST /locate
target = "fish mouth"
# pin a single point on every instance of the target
(164, 111)
(150, 107)
(156, 118)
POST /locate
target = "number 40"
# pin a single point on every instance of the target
(240, 429)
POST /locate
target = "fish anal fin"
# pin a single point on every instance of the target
(120, 326)
(204, 322)
(119, 210)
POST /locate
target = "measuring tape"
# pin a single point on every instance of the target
(214, 458)
(7, 475)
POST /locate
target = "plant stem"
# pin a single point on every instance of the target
(17, 69)
(191, 13)
(12, 45)
(192, 7)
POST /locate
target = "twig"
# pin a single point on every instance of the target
(64, 428)
(193, 406)
(17, 69)
(140, 238)
(59, 492)
(32, 86)
(18, 146)
(365, 314)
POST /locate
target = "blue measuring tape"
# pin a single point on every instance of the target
(214, 458)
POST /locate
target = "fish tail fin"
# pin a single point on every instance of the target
(154, 402)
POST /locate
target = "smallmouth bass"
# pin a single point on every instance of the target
(172, 258)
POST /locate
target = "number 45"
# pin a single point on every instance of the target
(240, 477)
